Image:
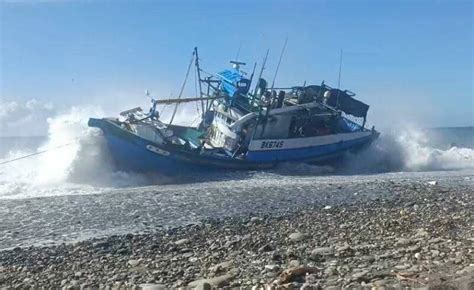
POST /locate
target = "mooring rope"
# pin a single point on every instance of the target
(38, 152)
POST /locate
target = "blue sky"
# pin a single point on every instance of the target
(412, 61)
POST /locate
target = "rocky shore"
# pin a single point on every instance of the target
(422, 236)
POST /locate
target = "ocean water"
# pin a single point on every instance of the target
(73, 192)
(76, 160)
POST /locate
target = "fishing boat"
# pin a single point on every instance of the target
(243, 126)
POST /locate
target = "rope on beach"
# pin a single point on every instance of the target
(38, 152)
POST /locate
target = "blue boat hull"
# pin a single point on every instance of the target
(132, 153)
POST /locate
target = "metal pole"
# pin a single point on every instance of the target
(279, 62)
(199, 77)
(253, 72)
(255, 94)
(261, 72)
(271, 90)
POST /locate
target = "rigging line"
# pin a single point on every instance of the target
(163, 109)
(39, 152)
(182, 88)
(194, 121)
(165, 105)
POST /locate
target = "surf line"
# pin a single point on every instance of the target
(40, 152)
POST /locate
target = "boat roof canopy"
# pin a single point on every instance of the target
(230, 78)
(349, 105)
(233, 82)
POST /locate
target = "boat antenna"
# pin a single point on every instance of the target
(182, 87)
(340, 68)
(238, 52)
(261, 72)
(339, 80)
(279, 62)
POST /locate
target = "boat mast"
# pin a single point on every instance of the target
(182, 87)
(199, 78)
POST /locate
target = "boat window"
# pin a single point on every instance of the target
(310, 126)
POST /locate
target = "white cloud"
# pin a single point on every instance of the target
(31, 104)
(6, 109)
(25, 118)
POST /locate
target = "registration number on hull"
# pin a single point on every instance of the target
(272, 144)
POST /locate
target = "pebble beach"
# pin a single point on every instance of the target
(418, 234)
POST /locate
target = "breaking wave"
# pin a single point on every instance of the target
(410, 150)
(75, 160)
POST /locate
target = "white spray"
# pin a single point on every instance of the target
(75, 161)
(408, 150)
